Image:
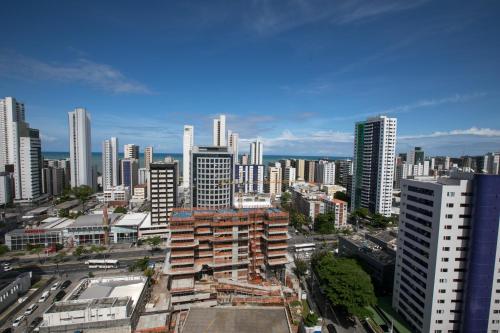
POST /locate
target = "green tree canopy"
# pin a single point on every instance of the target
(285, 199)
(341, 196)
(300, 267)
(325, 223)
(120, 210)
(82, 193)
(3, 249)
(298, 219)
(345, 283)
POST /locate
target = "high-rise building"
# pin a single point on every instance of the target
(300, 167)
(219, 131)
(110, 165)
(343, 168)
(162, 190)
(187, 146)
(447, 275)
(131, 151)
(233, 145)
(129, 172)
(212, 177)
(325, 172)
(491, 163)
(310, 171)
(256, 152)
(373, 166)
(249, 178)
(20, 147)
(274, 181)
(245, 159)
(148, 156)
(415, 156)
(289, 176)
(5, 188)
(143, 177)
(80, 148)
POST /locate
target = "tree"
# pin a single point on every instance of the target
(345, 283)
(300, 267)
(154, 242)
(341, 196)
(35, 250)
(297, 220)
(149, 272)
(82, 193)
(63, 212)
(310, 319)
(3, 249)
(97, 249)
(79, 251)
(285, 199)
(120, 210)
(325, 223)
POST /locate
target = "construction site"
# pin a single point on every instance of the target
(226, 257)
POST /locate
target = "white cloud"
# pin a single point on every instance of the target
(475, 131)
(101, 76)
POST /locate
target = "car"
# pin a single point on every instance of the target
(18, 321)
(55, 286)
(30, 309)
(59, 296)
(44, 297)
(331, 328)
(7, 268)
(65, 284)
(35, 323)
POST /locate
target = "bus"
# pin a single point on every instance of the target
(102, 263)
(304, 247)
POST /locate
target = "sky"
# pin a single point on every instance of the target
(297, 74)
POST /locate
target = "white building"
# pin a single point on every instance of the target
(273, 185)
(252, 201)
(289, 176)
(219, 131)
(256, 152)
(110, 165)
(233, 142)
(5, 188)
(325, 172)
(80, 148)
(143, 175)
(373, 165)
(116, 193)
(148, 156)
(447, 275)
(31, 173)
(131, 151)
(187, 146)
(249, 178)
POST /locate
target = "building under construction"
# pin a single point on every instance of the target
(245, 245)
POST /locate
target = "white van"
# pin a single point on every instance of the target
(30, 309)
(44, 297)
(55, 286)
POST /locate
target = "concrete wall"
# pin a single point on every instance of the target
(10, 293)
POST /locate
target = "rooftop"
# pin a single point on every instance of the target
(132, 219)
(370, 249)
(57, 223)
(93, 220)
(236, 320)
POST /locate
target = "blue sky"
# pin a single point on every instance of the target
(297, 74)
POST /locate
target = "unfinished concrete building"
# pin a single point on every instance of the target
(228, 244)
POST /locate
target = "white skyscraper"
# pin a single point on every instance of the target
(256, 152)
(80, 148)
(187, 147)
(20, 147)
(219, 131)
(325, 172)
(233, 139)
(373, 165)
(131, 151)
(110, 164)
(148, 156)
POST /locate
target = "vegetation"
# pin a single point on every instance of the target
(376, 220)
(3, 249)
(310, 319)
(35, 249)
(341, 196)
(325, 223)
(345, 283)
(298, 220)
(120, 210)
(286, 197)
(153, 242)
(300, 267)
(80, 251)
(149, 272)
(141, 264)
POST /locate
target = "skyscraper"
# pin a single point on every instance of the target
(219, 131)
(131, 151)
(343, 169)
(256, 152)
(162, 190)
(273, 184)
(110, 166)
(80, 148)
(148, 156)
(373, 165)
(233, 145)
(212, 177)
(325, 172)
(129, 172)
(447, 275)
(20, 147)
(187, 146)
(310, 171)
(300, 167)
(249, 178)
(415, 156)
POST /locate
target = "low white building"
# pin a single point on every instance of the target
(116, 193)
(262, 200)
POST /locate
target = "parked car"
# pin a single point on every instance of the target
(55, 286)
(59, 296)
(30, 309)
(65, 284)
(44, 297)
(331, 328)
(35, 323)
(18, 321)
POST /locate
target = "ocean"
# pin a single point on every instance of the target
(97, 158)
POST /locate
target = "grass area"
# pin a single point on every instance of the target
(385, 303)
(39, 283)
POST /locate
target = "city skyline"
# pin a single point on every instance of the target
(299, 77)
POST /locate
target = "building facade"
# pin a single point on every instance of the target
(274, 182)
(148, 156)
(325, 172)
(162, 188)
(343, 169)
(129, 170)
(187, 146)
(131, 151)
(80, 148)
(256, 152)
(373, 165)
(219, 131)
(249, 178)
(110, 165)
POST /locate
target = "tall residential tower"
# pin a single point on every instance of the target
(219, 131)
(80, 148)
(110, 166)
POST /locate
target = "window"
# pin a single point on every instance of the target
(447, 237)
(449, 216)
(446, 248)
(444, 259)
(449, 205)
(450, 194)
(448, 227)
